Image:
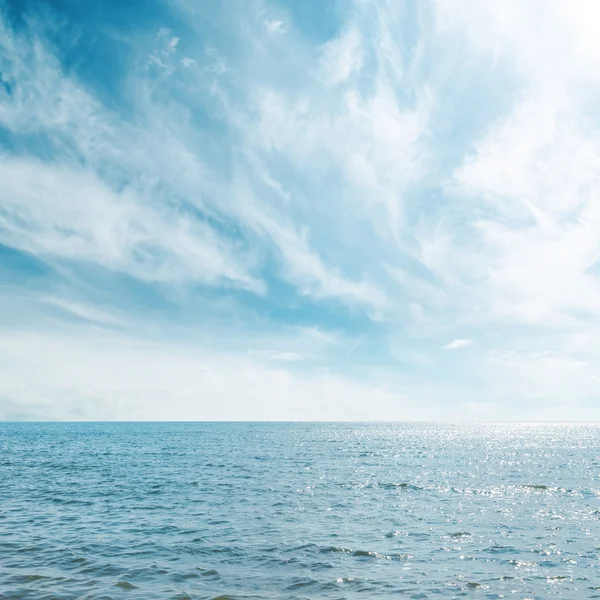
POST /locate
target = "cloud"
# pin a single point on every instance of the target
(124, 229)
(277, 355)
(106, 210)
(328, 337)
(160, 58)
(86, 312)
(534, 171)
(275, 26)
(306, 269)
(59, 213)
(342, 56)
(457, 344)
(112, 377)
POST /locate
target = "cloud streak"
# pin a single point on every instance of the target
(457, 344)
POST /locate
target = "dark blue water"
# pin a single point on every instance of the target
(299, 511)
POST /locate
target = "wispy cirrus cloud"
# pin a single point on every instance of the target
(127, 206)
(58, 212)
(535, 170)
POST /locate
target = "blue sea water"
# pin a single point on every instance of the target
(256, 510)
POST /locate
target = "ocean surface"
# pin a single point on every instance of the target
(332, 511)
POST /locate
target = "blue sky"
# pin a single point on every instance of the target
(299, 210)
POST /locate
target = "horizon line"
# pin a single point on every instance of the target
(276, 421)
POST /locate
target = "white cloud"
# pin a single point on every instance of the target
(457, 344)
(215, 62)
(277, 355)
(328, 337)
(302, 264)
(542, 40)
(116, 212)
(172, 44)
(535, 171)
(112, 377)
(554, 384)
(59, 213)
(275, 26)
(372, 141)
(87, 312)
(306, 269)
(72, 214)
(361, 134)
(342, 56)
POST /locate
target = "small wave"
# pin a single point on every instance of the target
(400, 486)
(71, 501)
(369, 554)
(125, 585)
(335, 549)
(208, 572)
(106, 570)
(360, 553)
(460, 534)
(379, 556)
(394, 533)
(383, 486)
(523, 563)
(184, 576)
(29, 578)
(302, 583)
(500, 550)
(305, 547)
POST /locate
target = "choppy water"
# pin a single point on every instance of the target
(336, 511)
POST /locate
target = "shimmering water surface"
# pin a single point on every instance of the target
(193, 510)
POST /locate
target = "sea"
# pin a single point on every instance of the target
(234, 511)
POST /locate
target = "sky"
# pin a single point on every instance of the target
(316, 210)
